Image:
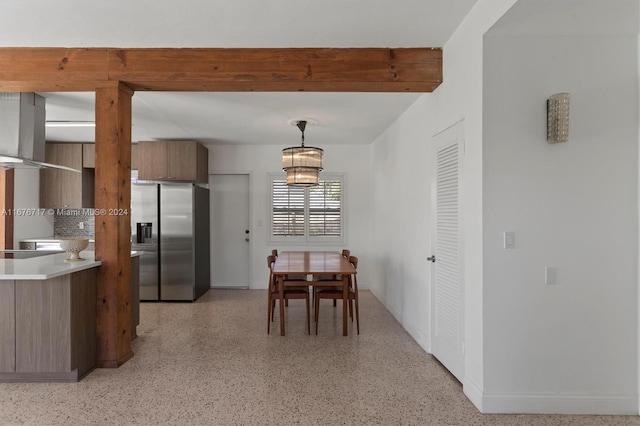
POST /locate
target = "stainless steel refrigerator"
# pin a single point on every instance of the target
(170, 224)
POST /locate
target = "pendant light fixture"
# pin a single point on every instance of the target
(302, 163)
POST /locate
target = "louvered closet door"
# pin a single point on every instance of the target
(447, 296)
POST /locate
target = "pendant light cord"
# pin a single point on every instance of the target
(302, 125)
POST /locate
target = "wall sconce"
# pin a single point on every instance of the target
(558, 118)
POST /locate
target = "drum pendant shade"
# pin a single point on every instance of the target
(302, 163)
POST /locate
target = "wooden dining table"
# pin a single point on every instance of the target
(325, 263)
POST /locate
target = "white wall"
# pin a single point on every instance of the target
(27, 196)
(529, 347)
(401, 160)
(401, 169)
(261, 161)
(461, 97)
(638, 296)
(573, 206)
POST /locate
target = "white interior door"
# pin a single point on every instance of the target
(230, 232)
(447, 291)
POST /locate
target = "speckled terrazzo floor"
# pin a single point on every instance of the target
(212, 363)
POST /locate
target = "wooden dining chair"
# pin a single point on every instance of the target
(335, 292)
(290, 292)
(345, 253)
(274, 252)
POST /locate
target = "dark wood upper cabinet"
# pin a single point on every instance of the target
(62, 188)
(186, 161)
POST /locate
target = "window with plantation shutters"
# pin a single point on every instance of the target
(288, 218)
(312, 214)
(325, 215)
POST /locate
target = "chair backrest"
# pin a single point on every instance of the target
(270, 261)
(346, 253)
(274, 252)
(354, 261)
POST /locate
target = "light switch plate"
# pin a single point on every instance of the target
(550, 275)
(509, 239)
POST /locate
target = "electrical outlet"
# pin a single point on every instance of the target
(550, 275)
(80, 225)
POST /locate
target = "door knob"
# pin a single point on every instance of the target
(246, 231)
(432, 259)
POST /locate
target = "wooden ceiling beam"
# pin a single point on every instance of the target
(217, 69)
(25, 69)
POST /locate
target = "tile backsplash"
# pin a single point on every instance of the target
(66, 223)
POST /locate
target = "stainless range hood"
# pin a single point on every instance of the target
(22, 127)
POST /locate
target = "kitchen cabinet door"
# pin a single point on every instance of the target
(89, 155)
(7, 326)
(185, 161)
(62, 188)
(181, 160)
(152, 160)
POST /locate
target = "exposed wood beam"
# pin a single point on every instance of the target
(112, 222)
(197, 70)
(26, 69)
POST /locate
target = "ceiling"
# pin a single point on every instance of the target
(229, 117)
(569, 18)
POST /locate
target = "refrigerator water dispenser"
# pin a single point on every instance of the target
(144, 233)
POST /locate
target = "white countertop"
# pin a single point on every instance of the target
(45, 267)
(48, 266)
(49, 239)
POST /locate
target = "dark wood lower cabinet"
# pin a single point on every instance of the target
(48, 328)
(7, 326)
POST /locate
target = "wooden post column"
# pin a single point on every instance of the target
(113, 223)
(6, 209)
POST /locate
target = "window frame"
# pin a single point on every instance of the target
(306, 238)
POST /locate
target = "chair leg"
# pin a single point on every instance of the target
(351, 309)
(335, 303)
(269, 312)
(273, 308)
(317, 312)
(357, 314)
(286, 302)
(308, 315)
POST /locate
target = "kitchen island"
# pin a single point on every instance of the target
(48, 317)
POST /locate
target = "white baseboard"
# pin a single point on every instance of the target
(558, 404)
(488, 403)
(414, 332)
(473, 392)
(500, 403)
